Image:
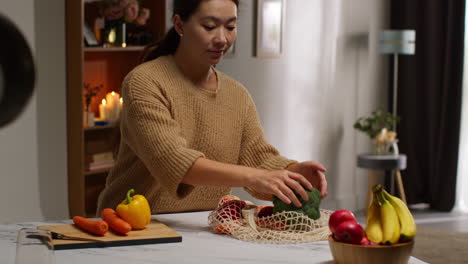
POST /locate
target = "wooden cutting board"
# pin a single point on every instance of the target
(154, 233)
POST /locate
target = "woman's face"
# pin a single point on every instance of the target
(210, 31)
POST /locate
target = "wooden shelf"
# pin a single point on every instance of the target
(114, 49)
(94, 128)
(99, 171)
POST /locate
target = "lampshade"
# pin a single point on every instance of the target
(397, 42)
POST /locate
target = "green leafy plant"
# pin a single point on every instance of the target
(310, 208)
(89, 93)
(372, 125)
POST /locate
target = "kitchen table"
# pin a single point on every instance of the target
(199, 245)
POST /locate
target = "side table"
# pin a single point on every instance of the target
(393, 162)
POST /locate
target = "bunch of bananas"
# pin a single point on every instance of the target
(389, 220)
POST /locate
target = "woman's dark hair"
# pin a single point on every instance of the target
(169, 43)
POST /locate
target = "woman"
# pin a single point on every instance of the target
(189, 132)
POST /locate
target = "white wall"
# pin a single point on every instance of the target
(51, 108)
(33, 149)
(308, 99)
(19, 193)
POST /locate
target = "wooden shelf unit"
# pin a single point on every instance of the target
(114, 49)
(99, 127)
(94, 65)
(94, 172)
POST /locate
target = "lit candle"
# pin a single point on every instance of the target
(121, 103)
(102, 110)
(113, 103)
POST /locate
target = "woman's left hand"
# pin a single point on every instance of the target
(313, 172)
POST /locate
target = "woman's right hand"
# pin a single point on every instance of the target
(282, 184)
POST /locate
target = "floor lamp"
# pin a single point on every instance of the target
(397, 42)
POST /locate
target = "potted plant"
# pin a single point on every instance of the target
(378, 126)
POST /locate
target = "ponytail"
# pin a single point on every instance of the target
(166, 46)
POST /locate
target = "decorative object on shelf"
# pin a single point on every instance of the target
(122, 19)
(103, 110)
(112, 106)
(270, 21)
(100, 161)
(89, 37)
(386, 142)
(88, 119)
(138, 35)
(397, 42)
(115, 34)
(110, 111)
(89, 93)
(378, 126)
(99, 29)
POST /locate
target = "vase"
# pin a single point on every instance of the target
(386, 148)
(88, 118)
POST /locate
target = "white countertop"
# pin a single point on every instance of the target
(199, 245)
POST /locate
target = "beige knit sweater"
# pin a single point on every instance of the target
(167, 123)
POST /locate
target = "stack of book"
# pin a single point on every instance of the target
(101, 161)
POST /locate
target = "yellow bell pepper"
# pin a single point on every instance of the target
(135, 210)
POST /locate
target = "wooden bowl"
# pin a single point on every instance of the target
(344, 253)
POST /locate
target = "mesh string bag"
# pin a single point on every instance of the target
(246, 221)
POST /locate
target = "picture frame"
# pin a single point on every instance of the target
(270, 28)
(89, 37)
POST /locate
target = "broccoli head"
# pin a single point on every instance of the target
(310, 208)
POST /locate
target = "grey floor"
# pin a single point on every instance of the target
(454, 221)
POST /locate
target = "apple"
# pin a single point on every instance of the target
(364, 241)
(339, 217)
(349, 232)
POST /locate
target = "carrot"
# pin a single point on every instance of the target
(115, 222)
(97, 227)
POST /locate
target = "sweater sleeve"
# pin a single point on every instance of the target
(156, 138)
(256, 151)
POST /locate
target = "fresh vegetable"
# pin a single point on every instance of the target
(115, 222)
(227, 227)
(338, 217)
(230, 210)
(97, 227)
(135, 210)
(264, 211)
(349, 232)
(310, 208)
(227, 198)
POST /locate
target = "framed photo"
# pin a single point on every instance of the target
(89, 37)
(270, 26)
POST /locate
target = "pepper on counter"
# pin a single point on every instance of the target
(135, 210)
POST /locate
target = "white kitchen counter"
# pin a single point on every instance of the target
(199, 245)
